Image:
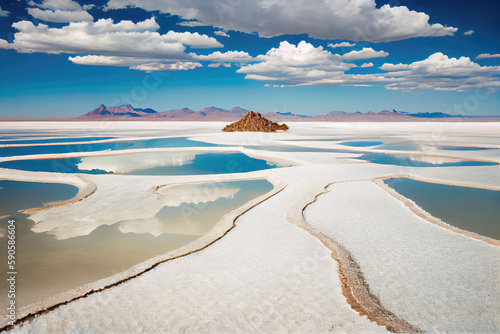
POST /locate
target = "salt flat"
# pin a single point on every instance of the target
(269, 275)
(435, 278)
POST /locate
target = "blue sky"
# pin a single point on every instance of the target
(63, 58)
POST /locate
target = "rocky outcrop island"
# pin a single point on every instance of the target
(255, 122)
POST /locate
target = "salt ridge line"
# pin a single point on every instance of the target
(216, 234)
(354, 286)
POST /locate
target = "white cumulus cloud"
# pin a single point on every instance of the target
(440, 72)
(3, 12)
(394, 67)
(59, 11)
(216, 65)
(191, 24)
(365, 53)
(221, 33)
(295, 65)
(99, 60)
(341, 45)
(229, 56)
(60, 5)
(354, 20)
(179, 66)
(141, 64)
(488, 55)
(305, 64)
(105, 37)
(105, 43)
(60, 16)
(469, 32)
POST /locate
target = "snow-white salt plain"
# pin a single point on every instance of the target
(267, 274)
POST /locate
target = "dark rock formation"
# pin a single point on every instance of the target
(254, 122)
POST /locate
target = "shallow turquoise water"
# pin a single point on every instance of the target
(204, 163)
(68, 165)
(16, 195)
(48, 266)
(462, 148)
(408, 146)
(52, 140)
(91, 147)
(471, 209)
(390, 159)
(361, 143)
(400, 146)
(211, 163)
(291, 148)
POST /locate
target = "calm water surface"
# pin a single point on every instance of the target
(164, 163)
(462, 148)
(361, 143)
(47, 266)
(91, 147)
(52, 140)
(390, 159)
(471, 209)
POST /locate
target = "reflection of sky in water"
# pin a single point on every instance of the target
(408, 146)
(158, 164)
(471, 209)
(211, 163)
(402, 146)
(361, 143)
(13, 134)
(290, 148)
(86, 147)
(314, 139)
(53, 140)
(16, 195)
(428, 161)
(196, 213)
(462, 148)
(67, 165)
(50, 266)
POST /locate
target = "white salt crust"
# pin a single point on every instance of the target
(267, 275)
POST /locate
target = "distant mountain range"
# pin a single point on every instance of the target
(127, 112)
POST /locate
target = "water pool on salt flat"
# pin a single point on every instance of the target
(401, 146)
(413, 146)
(48, 266)
(420, 160)
(15, 196)
(471, 209)
(463, 148)
(290, 148)
(361, 143)
(162, 163)
(52, 140)
(92, 147)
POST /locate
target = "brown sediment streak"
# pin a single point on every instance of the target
(354, 286)
(427, 216)
(33, 315)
